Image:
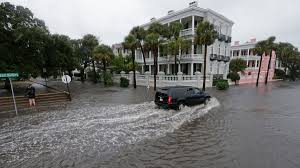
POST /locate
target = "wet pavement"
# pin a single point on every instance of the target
(113, 127)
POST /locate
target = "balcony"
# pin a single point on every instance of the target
(219, 58)
(186, 32)
(228, 39)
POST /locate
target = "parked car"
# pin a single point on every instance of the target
(176, 97)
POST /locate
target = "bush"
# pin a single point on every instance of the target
(279, 74)
(234, 76)
(222, 85)
(124, 82)
(108, 79)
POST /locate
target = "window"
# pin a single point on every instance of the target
(197, 91)
(219, 49)
(244, 52)
(236, 53)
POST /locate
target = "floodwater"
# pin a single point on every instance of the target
(242, 127)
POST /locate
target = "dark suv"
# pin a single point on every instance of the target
(176, 97)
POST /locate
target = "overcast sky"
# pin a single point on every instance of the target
(111, 20)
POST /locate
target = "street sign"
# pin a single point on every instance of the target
(66, 79)
(9, 75)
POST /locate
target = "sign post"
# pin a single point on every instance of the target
(13, 95)
(67, 79)
(9, 76)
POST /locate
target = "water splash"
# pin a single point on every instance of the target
(99, 128)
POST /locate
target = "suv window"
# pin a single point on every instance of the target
(197, 91)
(189, 92)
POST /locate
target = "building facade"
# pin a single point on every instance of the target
(191, 61)
(246, 52)
(118, 49)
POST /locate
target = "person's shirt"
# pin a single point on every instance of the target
(30, 92)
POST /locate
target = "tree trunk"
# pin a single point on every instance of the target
(259, 69)
(267, 76)
(143, 53)
(176, 66)
(133, 65)
(104, 74)
(69, 72)
(82, 76)
(155, 68)
(95, 73)
(204, 71)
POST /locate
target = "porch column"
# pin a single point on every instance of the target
(143, 71)
(168, 69)
(193, 25)
(158, 67)
(150, 69)
(179, 68)
(192, 69)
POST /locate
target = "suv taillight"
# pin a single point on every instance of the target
(169, 100)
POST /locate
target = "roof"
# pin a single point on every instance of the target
(189, 9)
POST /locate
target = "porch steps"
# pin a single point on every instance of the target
(42, 101)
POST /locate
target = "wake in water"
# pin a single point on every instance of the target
(90, 129)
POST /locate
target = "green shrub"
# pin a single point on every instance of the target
(279, 74)
(124, 82)
(108, 79)
(234, 76)
(222, 85)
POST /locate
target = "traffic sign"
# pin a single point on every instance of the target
(66, 79)
(9, 75)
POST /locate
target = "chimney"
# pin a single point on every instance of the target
(236, 43)
(170, 12)
(253, 40)
(193, 4)
(153, 19)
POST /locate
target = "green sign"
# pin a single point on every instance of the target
(9, 75)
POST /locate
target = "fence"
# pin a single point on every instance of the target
(163, 80)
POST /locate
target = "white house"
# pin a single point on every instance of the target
(192, 61)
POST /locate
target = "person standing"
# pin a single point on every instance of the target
(30, 93)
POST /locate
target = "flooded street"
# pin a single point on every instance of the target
(113, 127)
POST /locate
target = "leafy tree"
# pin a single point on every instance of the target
(235, 66)
(120, 63)
(289, 57)
(234, 76)
(22, 40)
(103, 54)
(88, 44)
(132, 43)
(205, 35)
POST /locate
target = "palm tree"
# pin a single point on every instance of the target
(205, 35)
(140, 35)
(174, 44)
(131, 42)
(154, 38)
(264, 47)
(104, 54)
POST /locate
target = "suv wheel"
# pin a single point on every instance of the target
(206, 101)
(180, 106)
